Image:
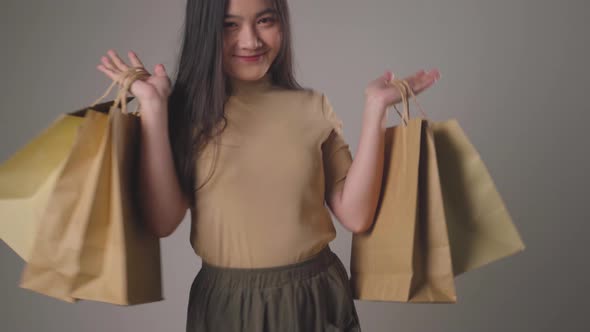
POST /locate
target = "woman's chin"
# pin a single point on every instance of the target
(250, 74)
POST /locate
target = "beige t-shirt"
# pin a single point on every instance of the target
(281, 155)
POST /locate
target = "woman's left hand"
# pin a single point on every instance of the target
(382, 94)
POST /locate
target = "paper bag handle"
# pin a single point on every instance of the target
(404, 87)
(129, 76)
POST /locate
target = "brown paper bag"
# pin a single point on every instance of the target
(480, 227)
(90, 244)
(27, 179)
(406, 257)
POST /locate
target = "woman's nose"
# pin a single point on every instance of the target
(249, 38)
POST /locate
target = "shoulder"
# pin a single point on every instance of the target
(313, 102)
(324, 107)
(303, 95)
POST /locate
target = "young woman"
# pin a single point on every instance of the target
(254, 156)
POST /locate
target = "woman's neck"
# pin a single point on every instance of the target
(243, 87)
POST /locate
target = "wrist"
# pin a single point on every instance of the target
(375, 103)
(154, 115)
(374, 115)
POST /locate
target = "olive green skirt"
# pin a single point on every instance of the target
(310, 296)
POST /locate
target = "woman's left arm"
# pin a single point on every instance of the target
(355, 203)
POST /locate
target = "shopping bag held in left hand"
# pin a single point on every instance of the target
(405, 256)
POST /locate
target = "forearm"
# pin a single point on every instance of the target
(360, 193)
(162, 202)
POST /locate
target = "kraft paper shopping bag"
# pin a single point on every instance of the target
(481, 229)
(27, 179)
(91, 244)
(406, 256)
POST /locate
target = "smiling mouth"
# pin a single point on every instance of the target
(250, 57)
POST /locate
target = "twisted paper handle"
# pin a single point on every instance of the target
(404, 87)
(129, 76)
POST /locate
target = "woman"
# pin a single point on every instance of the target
(254, 157)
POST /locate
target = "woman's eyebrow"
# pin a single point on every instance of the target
(266, 11)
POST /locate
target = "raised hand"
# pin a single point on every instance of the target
(152, 92)
(382, 93)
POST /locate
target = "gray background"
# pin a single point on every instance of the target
(514, 73)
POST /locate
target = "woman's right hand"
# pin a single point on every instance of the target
(151, 93)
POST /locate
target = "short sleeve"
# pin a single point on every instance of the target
(337, 157)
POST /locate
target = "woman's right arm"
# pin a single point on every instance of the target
(161, 201)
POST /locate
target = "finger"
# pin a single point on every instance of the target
(111, 74)
(135, 62)
(108, 63)
(429, 78)
(423, 82)
(419, 81)
(388, 76)
(160, 70)
(117, 61)
(419, 85)
(434, 74)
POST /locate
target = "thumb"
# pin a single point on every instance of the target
(159, 70)
(388, 76)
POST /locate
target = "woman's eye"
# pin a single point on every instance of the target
(229, 24)
(267, 20)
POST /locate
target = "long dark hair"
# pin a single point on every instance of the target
(196, 104)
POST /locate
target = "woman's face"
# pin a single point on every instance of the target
(251, 39)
